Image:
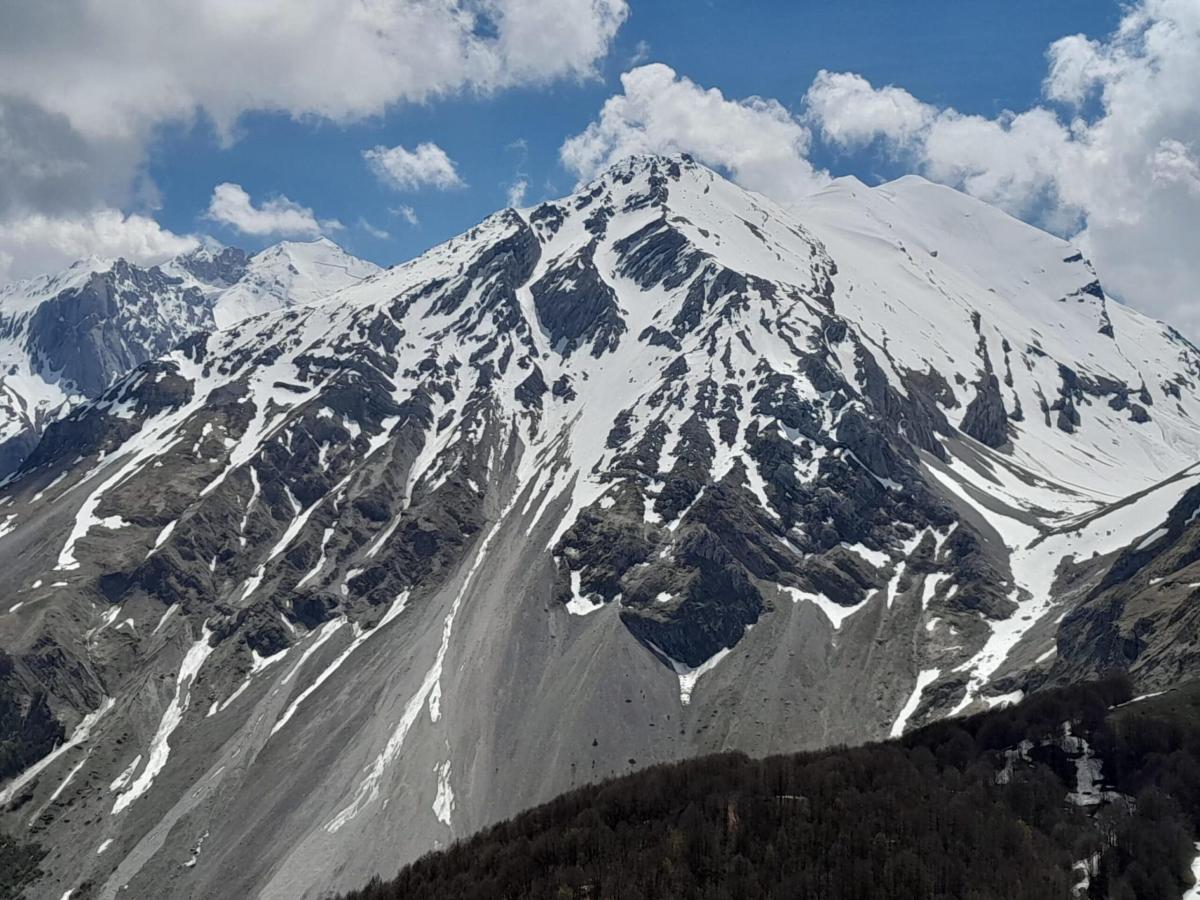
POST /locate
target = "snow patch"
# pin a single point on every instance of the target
(834, 612)
(443, 803)
(360, 638)
(579, 605)
(160, 748)
(81, 733)
(924, 680)
(688, 676)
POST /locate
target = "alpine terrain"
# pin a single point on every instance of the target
(369, 562)
(66, 337)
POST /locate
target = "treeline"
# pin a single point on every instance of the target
(18, 866)
(936, 816)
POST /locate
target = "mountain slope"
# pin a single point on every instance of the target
(1065, 796)
(65, 338)
(655, 470)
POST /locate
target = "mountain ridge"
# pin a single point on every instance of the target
(657, 469)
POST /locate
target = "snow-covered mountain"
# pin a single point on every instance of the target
(66, 337)
(289, 273)
(656, 469)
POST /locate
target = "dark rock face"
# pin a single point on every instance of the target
(547, 219)
(658, 254)
(986, 420)
(15, 450)
(714, 283)
(109, 326)
(28, 729)
(498, 271)
(530, 391)
(225, 267)
(577, 307)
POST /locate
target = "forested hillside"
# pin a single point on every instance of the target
(1073, 793)
(18, 866)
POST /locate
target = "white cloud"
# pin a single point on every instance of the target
(88, 85)
(427, 165)
(517, 191)
(1113, 159)
(231, 205)
(407, 213)
(378, 233)
(38, 243)
(149, 63)
(758, 141)
(1004, 161)
(1174, 163)
(850, 111)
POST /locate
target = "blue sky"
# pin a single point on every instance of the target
(977, 57)
(138, 130)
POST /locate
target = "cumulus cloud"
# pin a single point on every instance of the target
(39, 243)
(231, 205)
(850, 111)
(1005, 161)
(756, 140)
(150, 63)
(407, 213)
(378, 233)
(88, 85)
(517, 191)
(427, 165)
(1112, 158)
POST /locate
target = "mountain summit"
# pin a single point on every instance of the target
(656, 469)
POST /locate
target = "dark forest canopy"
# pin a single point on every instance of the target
(18, 866)
(943, 814)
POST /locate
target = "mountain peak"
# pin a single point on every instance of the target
(290, 273)
(635, 165)
(322, 243)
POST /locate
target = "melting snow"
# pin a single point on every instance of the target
(360, 638)
(122, 781)
(443, 804)
(876, 558)
(579, 605)
(834, 612)
(81, 733)
(1088, 790)
(429, 691)
(924, 680)
(160, 748)
(1194, 891)
(316, 569)
(688, 676)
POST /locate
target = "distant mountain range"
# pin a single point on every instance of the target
(66, 337)
(314, 568)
